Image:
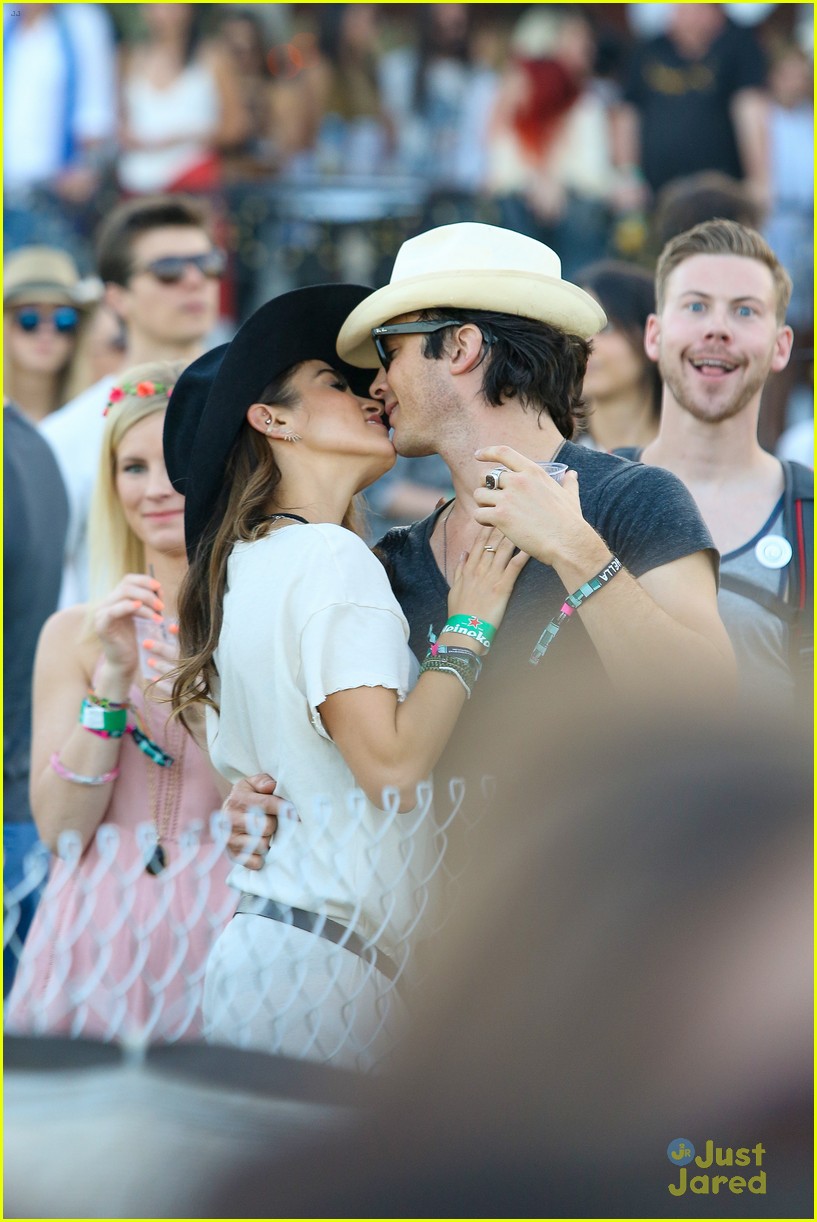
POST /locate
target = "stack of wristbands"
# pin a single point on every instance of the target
(103, 717)
(464, 664)
(471, 626)
(110, 720)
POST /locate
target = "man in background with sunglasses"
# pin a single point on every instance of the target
(162, 275)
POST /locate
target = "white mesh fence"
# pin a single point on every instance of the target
(317, 964)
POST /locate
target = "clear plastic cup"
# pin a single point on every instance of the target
(149, 630)
(556, 470)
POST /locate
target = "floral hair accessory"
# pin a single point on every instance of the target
(142, 390)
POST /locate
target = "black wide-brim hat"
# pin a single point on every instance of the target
(210, 400)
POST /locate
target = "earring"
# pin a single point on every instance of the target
(290, 436)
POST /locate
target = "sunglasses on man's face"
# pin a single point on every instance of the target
(171, 269)
(63, 319)
(418, 328)
(405, 328)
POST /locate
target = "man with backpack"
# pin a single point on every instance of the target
(718, 332)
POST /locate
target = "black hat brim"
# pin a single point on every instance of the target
(210, 401)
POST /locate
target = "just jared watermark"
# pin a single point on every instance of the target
(681, 1153)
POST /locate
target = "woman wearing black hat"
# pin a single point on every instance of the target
(291, 636)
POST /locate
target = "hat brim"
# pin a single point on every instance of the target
(298, 326)
(526, 294)
(36, 293)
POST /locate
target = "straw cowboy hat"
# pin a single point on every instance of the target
(210, 400)
(48, 275)
(475, 267)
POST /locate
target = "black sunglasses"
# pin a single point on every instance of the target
(406, 328)
(414, 328)
(64, 319)
(171, 269)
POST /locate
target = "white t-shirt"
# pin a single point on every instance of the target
(189, 106)
(74, 433)
(309, 611)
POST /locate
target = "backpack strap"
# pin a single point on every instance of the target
(764, 598)
(798, 527)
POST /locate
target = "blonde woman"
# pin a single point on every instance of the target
(44, 316)
(118, 945)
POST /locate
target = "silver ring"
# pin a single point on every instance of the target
(489, 549)
(492, 479)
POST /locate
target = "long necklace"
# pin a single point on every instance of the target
(164, 795)
(445, 542)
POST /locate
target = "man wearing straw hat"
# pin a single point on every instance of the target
(482, 347)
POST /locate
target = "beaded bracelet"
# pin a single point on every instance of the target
(466, 661)
(77, 778)
(466, 669)
(571, 603)
(448, 668)
(454, 651)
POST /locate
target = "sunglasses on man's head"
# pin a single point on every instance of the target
(30, 318)
(171, 269)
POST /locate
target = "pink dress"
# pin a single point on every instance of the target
(115, 952)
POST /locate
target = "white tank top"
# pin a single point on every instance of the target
(188, 107)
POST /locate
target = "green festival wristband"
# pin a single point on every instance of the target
(470, 625)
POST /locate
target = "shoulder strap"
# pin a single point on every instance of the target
(798, 527)
(764, 598)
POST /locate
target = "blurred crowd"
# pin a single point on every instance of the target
(323, 135)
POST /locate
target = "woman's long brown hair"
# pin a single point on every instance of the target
(239, 515)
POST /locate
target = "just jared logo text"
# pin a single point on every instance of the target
(681, 1153)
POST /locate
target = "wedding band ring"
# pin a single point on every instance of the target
(489, 549)
(492, 479)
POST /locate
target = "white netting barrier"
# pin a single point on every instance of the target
(319, 962)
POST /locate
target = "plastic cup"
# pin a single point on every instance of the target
(149, 630)
(556, 470)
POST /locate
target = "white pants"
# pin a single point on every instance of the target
(284, 990)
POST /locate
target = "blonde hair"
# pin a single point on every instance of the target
(67, 381)
(722, 237)
(113, 547)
